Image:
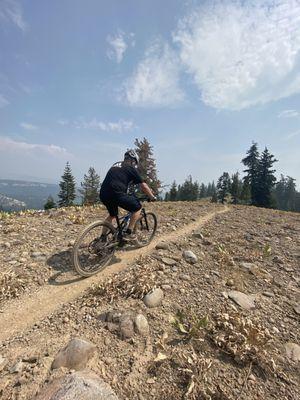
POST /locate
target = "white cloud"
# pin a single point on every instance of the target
(288, 114)
(155, 82)
(118, 45)
(118, 126)
(292, 135)
(10, 145)
(10, 10)
(3, 101)
(242, 53)
(28, 127)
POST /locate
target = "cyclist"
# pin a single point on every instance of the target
(113, 193)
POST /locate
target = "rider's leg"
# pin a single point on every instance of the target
(133, 219)
(110, 220)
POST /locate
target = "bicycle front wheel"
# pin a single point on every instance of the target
(91, 253)
(145, 229)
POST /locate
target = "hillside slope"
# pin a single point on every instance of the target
(203, 341)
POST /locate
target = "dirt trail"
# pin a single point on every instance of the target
(22, 313)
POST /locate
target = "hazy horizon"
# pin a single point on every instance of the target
(201, 80)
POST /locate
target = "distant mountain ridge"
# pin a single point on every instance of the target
(31, 195)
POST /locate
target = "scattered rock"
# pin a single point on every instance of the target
(2, 363)
(75, 355)
(198, 235)
(16, 368)
(84, 385)
(244, 301)
(126, 327)
(297, 309)
(268, 294)
(154, 298)
(168, 261)
(248, 266)
(162, 246)
(141, 325)
(292, 351)
(230, 282)
(190, 257)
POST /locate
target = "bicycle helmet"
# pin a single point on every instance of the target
(131, 155)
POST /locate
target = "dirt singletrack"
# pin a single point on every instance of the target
(20, 314)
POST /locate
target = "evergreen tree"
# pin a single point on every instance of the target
(236, 188)
(223, 187)
(246, 192)
(280, 193)
(214, 197)
(290, 194)
(203, 191)
(189, 190)
(90, 187)
(147, 164)
(167, 196)
(252, 162)
(50, 203)
(67, 188)
(173, 192)
(265, 180)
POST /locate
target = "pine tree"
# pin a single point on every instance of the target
(290, 194)
(214, 196)
(280, 193)
(90, 187)
(203, 191)
(189, 190)
(67, 188)
(265, 180)
(147, 164)
(223, 187)
(50, 203)
(246, 192)
(236, 188)
(173, 192)
(252, 162)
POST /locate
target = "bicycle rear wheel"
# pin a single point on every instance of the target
(91, 254)
(145, 229)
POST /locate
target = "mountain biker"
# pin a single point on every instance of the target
(113, 193)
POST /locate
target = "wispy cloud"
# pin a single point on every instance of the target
(118, 45)
(3, 101)
(292, 135)
(118, 126)
(28, 127)
(289, 114)
(11, 11)
(242, 53)
(155, 82)
(9, 145)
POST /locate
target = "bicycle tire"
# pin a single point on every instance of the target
(137, 228)
(78, 264)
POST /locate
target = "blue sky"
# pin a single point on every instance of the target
(80, 80)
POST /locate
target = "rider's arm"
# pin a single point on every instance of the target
(145, 188)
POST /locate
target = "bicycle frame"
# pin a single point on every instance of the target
(121, 223)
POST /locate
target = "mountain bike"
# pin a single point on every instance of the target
(93, 252)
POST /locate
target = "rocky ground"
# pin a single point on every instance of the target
(209, 315)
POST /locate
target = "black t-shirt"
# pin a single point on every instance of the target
(118, 178)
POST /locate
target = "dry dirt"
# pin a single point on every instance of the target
(201, 344)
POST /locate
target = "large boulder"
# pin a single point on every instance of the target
(154, 298)
(75, 355)
(84, 385)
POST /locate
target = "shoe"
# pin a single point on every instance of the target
(130, 238)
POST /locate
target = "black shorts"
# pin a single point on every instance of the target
(126, 201)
